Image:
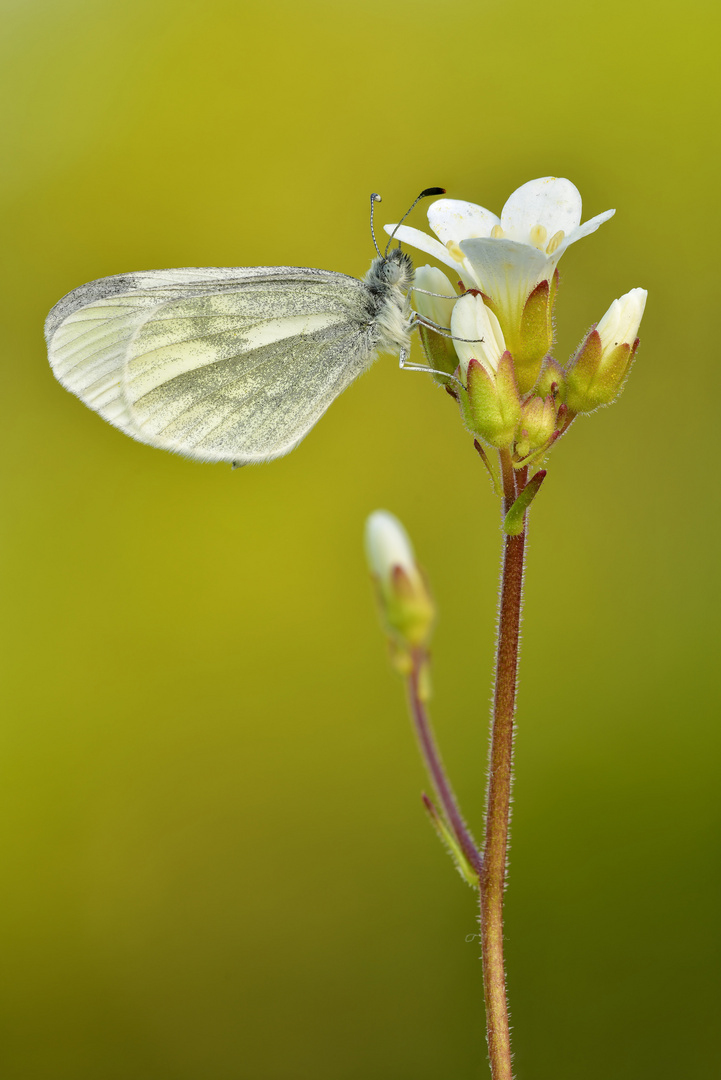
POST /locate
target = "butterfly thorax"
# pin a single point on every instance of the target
(388, 281)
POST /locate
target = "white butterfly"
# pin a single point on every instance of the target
(228, 364)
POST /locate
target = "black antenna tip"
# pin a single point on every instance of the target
(432, 191)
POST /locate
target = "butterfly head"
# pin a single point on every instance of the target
(392, 271)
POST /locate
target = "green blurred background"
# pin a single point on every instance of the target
(215, 863)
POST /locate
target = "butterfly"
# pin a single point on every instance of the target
(231, 364)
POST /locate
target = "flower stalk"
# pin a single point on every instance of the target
(500, 781)
(517, 400)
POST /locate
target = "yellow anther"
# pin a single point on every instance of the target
(454, 251)
(497, 232)
(538, 236)
(555, 241)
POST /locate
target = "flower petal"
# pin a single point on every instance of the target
(438, 308)
(423, 242)
(507, 273)
(621, 322)
(551, 201)
(453, 219)
(387, 545)
(479, 332)
(586, 229)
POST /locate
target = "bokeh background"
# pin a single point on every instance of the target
(214, 858)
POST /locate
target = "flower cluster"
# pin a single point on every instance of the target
(512, 393)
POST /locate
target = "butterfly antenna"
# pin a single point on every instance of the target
(426, 193)
(375, 197)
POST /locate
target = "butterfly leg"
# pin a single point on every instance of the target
(444, 331)
(403, 363)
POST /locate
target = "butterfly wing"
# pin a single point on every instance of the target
(219, 364)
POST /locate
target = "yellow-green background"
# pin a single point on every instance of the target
(214, 861)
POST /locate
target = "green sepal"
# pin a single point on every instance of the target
(535, 336)
(408, 607)
(491, 403)
(513, 523)
(609, 381)
(554, 290)
(447, 838)
(581, 370)
(407, 612)
(596, 376)
(492, 469)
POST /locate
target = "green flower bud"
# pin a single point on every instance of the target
(552, 380)
(491, 403)
(537, 425)
(596, 374)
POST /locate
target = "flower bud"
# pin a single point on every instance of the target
(552, 380)
(439, 350)
(405, 602)
(491, 403)
(596, 374)
(537, 425)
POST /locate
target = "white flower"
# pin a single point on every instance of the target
(481, 331)
(619, 326)
(506, 257)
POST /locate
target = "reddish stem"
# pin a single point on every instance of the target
(500, 779)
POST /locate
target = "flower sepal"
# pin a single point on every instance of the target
(535, 336)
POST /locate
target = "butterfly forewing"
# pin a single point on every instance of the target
(218, 364)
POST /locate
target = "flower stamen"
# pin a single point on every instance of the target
(497, 232)
(555, 241)
(454, 251)
(538, 236)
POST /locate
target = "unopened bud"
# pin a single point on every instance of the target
(596, 374)
(405, 602)
(552, 380)
(491, 403)
(537, 425)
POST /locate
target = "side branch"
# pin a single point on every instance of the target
(434, 764)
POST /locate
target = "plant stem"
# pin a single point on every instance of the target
(434, 764)
(500, 778)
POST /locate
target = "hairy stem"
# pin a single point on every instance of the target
(500, 778)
